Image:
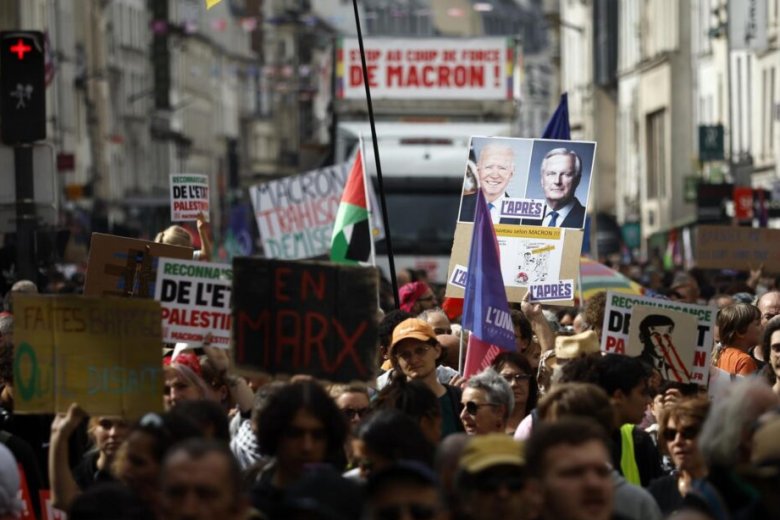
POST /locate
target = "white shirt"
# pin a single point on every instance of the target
(562, 214)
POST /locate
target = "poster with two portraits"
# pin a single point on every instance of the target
(537, 192)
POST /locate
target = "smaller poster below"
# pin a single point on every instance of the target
(664, 339)
(189, 196)
(530, 254)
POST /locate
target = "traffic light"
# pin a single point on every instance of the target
(22, 87)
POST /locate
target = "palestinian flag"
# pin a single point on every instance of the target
(351, 241)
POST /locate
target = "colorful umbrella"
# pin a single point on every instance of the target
(596, 277)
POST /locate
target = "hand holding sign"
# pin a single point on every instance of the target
(64, 424)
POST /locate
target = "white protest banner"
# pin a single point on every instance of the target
(189, 196)
(616, 328)
(664, 339)
(195, 300)
(427, 68)
(295, 215)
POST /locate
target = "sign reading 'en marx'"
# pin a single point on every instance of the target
(304, 318)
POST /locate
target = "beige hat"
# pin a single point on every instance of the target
(495, 449)
(765, 453)
(570, 347)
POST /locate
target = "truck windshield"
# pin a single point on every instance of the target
(422, 214)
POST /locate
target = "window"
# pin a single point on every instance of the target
(656, 155)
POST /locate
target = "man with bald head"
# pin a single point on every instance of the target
(769, 306)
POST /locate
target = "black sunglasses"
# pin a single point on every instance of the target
(414, 510)
(515, 378)
(688, 433)
(472, 408)
(351, 413)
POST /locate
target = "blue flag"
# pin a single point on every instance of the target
(558, 125)
(485, 306)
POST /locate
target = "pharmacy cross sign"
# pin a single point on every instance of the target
(20, 49)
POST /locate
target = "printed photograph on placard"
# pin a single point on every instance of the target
(559, 175)
(500, 166)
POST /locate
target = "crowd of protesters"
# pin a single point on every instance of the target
(556, 430)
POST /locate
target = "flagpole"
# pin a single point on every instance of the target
(380, 182)
(460, 350)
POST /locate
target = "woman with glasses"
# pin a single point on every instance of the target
(678, 435)
(415, 352)
(487, 401)
(517, 371)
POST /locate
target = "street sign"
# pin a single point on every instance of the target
(22, 87)
(711, 143)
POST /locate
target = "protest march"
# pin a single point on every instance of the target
(285, 360)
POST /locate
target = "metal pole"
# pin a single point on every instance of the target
(732, 168)
(25, 212)
(385, 220)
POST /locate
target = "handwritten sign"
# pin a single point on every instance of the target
(615, 332)
(427, 68)
(120, 266)
(195, 299)
(545, 292)
(305, 318)
(734, 247)
(295, 215)
(189, 196)
(103, 353)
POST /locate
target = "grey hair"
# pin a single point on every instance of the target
(730, 415)
(497, 389)
(427, 312)
(565, 151)
(6, 325)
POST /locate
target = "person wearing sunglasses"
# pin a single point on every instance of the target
(415, 353)
(493, 482)
(678, 434)
(487, 401)
(517, 371)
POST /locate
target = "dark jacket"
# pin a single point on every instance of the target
(469, 205)
(575, 219)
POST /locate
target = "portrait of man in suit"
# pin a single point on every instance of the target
(561, 173)
(495, 168)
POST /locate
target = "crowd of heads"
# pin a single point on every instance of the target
(553, 430)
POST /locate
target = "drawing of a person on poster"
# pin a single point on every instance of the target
(659, 350)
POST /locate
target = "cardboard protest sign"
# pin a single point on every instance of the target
(537, 191)
(427, 68)
(735, 247)
(295, 214)
(547, 258)
(189, 196)
(664, 339)
(615, 333)
(120, 266)
(103, 353)
(195, 299)
(305, 318)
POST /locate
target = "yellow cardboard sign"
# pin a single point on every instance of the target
(211, 3)
(101, 352)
